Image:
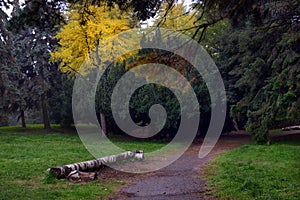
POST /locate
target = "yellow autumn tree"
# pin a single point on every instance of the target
(177, 18)
(86, 33)
(180, 18)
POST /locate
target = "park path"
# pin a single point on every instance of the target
(180, 180)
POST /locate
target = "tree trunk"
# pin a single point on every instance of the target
(93, 165)
(23, 119)
(46, 120)
(103, 124)
(235, 124)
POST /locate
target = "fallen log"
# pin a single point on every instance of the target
(289, 128)
(72, 170)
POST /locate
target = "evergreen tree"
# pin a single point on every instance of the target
(9, 73)
(259, 59)
(34, 27)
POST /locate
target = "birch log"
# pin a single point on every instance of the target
(94, 165)
(291, 128)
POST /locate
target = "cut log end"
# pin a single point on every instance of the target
(60, 172)
(139, 155)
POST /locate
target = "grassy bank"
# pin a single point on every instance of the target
(256, 172)
(26, 154)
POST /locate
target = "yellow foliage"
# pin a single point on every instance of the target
(178, 18)
(79, 38)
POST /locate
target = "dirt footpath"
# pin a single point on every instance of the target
(180, 180)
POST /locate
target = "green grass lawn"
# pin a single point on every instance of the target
(275, 131)
(25, 156)
(256, 172)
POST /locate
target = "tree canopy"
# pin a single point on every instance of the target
(260, 62)
(78, 39)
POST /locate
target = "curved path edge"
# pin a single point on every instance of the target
(181, 179)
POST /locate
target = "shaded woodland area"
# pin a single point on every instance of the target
(255, 44)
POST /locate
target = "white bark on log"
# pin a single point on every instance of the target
(288, 128)
(94, 165)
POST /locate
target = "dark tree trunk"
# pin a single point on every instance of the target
(23, 119)
(46, 120)
(103, 124)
